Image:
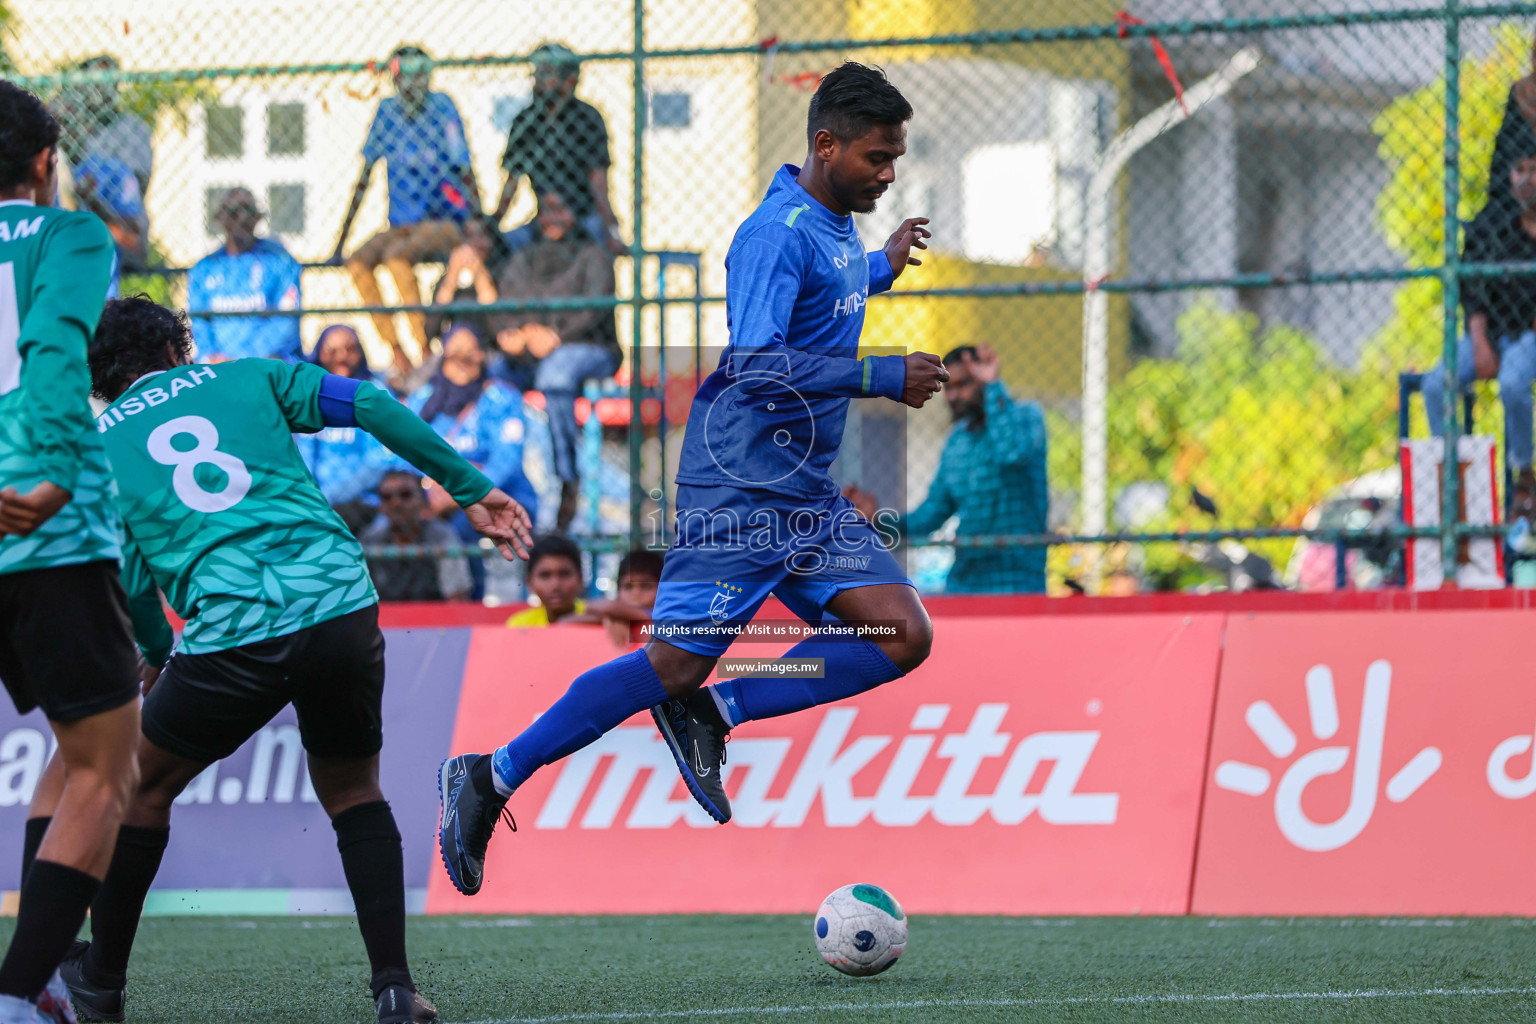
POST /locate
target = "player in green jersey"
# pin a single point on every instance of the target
(64, 640)
(220, 513)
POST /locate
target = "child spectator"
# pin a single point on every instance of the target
(638, 577)
(554, 576)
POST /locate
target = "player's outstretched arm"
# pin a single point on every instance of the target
(503, 520)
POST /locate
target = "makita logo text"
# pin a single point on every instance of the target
(601, 778)
(852, 304)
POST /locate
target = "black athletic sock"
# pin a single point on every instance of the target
(117, 908)
(31, 839)
(54, 899)
(369, 842)
(480, 778)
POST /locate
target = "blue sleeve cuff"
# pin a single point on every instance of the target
(881, 277)
(885, 376)
(337, 397)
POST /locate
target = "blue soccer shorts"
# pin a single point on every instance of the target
(735, 547)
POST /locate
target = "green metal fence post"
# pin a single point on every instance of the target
(1450, 278)
(637, 257)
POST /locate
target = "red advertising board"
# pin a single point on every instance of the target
(1030, 767)
(1371, 764)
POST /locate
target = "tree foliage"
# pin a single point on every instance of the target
(1262, 420)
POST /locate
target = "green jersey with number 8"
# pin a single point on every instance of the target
(220, 511)
(55, 266)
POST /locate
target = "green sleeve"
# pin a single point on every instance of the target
(408, 436)
(297, 388)
(150, 627)
(68, 290)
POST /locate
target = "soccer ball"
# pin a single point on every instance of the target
(861, 930)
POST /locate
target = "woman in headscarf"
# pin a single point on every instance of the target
(482, 418)
(347, 463)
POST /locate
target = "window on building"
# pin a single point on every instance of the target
(285, 209)
(226, 131)
(671, 109)
(1009, 201)
(285, 129)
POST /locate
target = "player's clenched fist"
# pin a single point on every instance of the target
(503, 520)
(925, 376)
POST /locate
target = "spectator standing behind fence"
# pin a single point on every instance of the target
(245, 275)
(571, 346)
(346, 462)
(432, 191)
(1500, 341)
(111, 156)
(405, 520)
(992, 474)
(561, 144)
(482, 418)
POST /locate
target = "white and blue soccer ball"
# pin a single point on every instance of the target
(861, 930)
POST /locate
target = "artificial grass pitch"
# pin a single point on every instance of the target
(744, 970)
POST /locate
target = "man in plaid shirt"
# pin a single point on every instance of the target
(991, 474)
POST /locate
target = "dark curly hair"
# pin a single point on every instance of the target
(26, 129)
(853, 99)
(136, 336)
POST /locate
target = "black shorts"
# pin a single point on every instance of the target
(205, 705)
(65, 642)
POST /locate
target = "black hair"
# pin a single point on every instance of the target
(26, 129)
(958, 354)
(135, 336)
(640, 561)
(852, 100)
(554, 545)
(414, 477)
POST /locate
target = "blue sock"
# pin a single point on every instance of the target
(851, 668)
(597, 701)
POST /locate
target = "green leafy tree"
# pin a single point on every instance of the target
(1263, 422)
(1410, 210)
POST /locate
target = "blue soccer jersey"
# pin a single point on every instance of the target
(771, 416)
(265, 277)
(425, 155)
(758, 512)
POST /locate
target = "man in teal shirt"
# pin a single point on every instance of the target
(991, 474)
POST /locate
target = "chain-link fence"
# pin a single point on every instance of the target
(1204, 242)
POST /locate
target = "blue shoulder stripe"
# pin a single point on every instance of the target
(797, 211)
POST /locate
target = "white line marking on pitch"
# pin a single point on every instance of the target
(942, 1004)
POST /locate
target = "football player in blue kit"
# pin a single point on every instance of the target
(757, 510)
